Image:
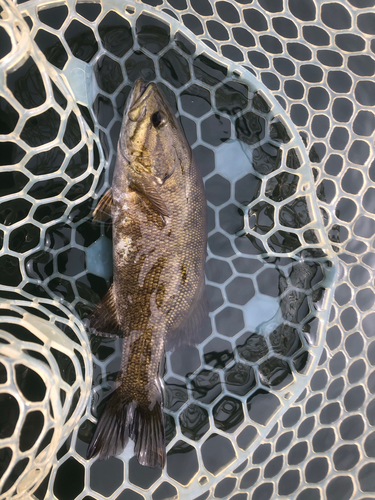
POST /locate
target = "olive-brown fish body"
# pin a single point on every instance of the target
(158, 211)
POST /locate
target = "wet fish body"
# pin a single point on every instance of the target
(158, 211)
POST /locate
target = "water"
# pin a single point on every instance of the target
(270, 269)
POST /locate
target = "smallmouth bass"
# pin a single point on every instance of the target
(158, 210)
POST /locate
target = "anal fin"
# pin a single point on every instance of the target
(189, 332)
(103, 210)
(103, 319)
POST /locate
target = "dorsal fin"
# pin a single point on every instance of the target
(103, 210)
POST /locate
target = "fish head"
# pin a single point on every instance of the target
(151, 139)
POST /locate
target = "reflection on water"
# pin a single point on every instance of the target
(275, 372)
(285, 340)
(206, 386)
(194, 422)
(240, 379)
(175, 394)
(228, 414)
(254, 348)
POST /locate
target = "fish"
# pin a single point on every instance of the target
(157, 300)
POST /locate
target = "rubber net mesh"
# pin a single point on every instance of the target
(276, 98)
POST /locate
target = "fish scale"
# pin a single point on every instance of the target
(158, 211)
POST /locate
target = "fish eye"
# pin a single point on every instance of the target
(157, 119)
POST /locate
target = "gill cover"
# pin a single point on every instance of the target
(152, 144)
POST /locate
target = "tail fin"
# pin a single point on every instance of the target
(149, 436)
(119, 421)
(113, 430)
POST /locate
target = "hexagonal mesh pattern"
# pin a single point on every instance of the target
(233, 420)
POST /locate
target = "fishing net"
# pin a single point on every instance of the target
(276, 100)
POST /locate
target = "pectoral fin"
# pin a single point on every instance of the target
(103, 319)
(150, 189)
(103, 210)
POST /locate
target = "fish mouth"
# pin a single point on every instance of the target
(138, 90)
(141, 92)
